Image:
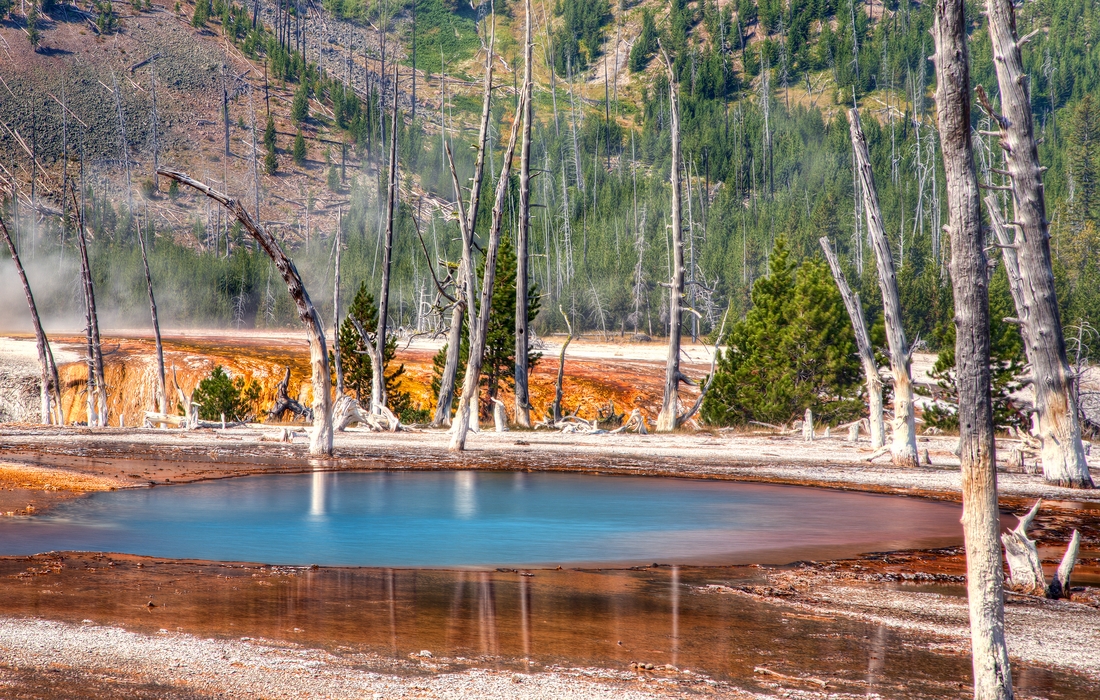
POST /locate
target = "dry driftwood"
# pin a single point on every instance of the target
(284, 403)
(320, 442)
(977, 447)
(903, 451)
(1055, 399)
(871, 377)
(1026, 568)
(348, 410)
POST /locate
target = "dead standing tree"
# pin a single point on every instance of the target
(378, 345)
(903, 448)
(478, 334)
(969, 278)
(51, 387)
(863, 342)
(522, 395)
(320, 441)
(1055, 401)
(465, 277)
(97, 385)
(669, 417)
(162, 391)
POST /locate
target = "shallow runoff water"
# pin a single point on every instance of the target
(459, 519)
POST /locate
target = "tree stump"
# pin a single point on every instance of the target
(808, 426)
(1026, 568)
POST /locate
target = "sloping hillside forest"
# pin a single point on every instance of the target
(767, 156)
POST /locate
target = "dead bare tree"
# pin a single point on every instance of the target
(97, 385)
(522, 395)
(969, 278)
(479, 332)
(320, 441)
(871, 377)
(1026, 568)
(50, 389)
(339, 369)
(465, 281)
(1055, 401)
(162, 391)
(378, 378)
(904, 444)
(555, 408)
(669, 419)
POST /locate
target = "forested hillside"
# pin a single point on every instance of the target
(764, 85)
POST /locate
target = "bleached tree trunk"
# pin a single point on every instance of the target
(464, 279)
(50, 389)
(1062, 452)
(97, 388)
(522, 395)
(320, 441)
(467, 407)
(339, 369)
(668, 418)
(872, 380)
(162, 391)
(555, 408)
(903, 448)
(378, 377)
(969, 278)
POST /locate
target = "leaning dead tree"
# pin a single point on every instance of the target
(162, 391)
(285, 404)
(903, 448)
(871, 377)
(970, 282)
(465, 281)
(669, 417)
(320, 441)
(522, 395)
(50, 389)
(1040, 325)
(1025, 566)
(467, 405)
(555, 408)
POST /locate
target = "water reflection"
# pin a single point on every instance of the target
(317, 494)
(465, 498)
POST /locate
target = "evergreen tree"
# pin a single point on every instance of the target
(499, 367)
(299, 108)
(271, 162)
(794, 350)
(1006, 356)
(33, 35)
(269, 134)
(353, 354)
(220, 395)
(646, 43)
(298, 153)
(202, 13)
(1082, 155)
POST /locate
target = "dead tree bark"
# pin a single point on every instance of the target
(478, 334)
(320, 441)
(871, 376)
(97, 396)
(522, 395)
(1026, 568)
(50, 389)
(336, 321)
(668, 418)
(284, 403)
(555, 408)
(162, 398)
(378, 378)
(1063, 454)
(465, 277)
(969, 278)
(903, 449)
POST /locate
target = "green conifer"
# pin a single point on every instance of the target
(298, 153)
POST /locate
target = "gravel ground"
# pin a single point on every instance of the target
(254, 668)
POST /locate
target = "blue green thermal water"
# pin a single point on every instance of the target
(445, 519)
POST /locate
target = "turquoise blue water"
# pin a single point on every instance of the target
(483, 519)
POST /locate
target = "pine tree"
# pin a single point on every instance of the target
(1082, 155)
(33, 35)
(299, 108)
(271, 163)
(794, 350)
(499, 367)
(269, 134)
(354, 359)
(646, 43)
(299, 151)
(202, 13)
